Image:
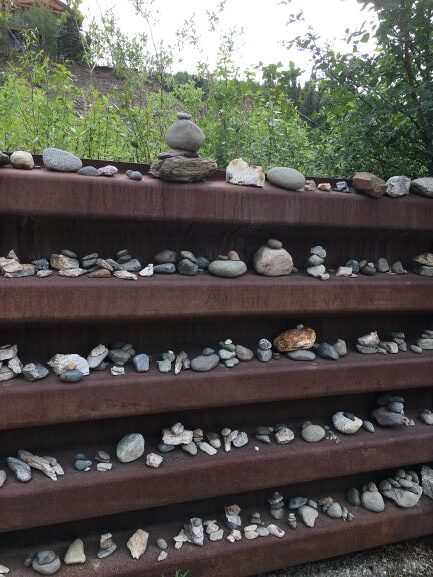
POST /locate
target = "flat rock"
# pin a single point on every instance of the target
(60, 160)
(294, 339)
(301, 355)
(130, 448)
(183, 169)
(204, 363)
(227, 268)
(369, 183)
(62, 262)
(327, 351)
(88, 171)
(243, 353)
(402, 497)
(96, 356)
(125, 275)
(241, 173)
(285, 177)
(168, 268)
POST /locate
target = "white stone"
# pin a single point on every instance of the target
(206, 448)
(137, 543)
(345, 425)
(22, 159)
(59, 363)
(153, 460)
(147, 271)
(170, 438)
(75, 554)
(103, 467)
(162, 556)
(344, 271)
(125, 275)
(73, 272)
(275, 530)
(240, 172)
(4, 570)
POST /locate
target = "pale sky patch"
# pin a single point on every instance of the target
(263, 23)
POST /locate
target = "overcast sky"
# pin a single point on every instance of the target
(263, 22)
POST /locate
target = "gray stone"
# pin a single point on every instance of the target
(353, 496)
(206, 448)
(415, 349)
(397, 186)
(141, 363)
(327, 351)
(96, 356)
(35, 372)
(4, 159)
(190, 448)
(425, 259)
(373, 501)
(243, 353)
(284, 436)
(46, 563)
(340, 347)
(82, 464)
(134, 175)
(168, 268)
(41, 264)
(184, 135)
(108, 170)
(387, 418)
(368, 269)
(130, 448)
(240, 440)
(133, 265)
(227, 268)
(204, 363)
(297, 502)
(264, 356)
(285, 177)
(71, 376)
(203, 263)
(423, 270)
(119, 356)
(62, 262)
(319, 251)
(20, 469)
(103, 553)
(382, 265)
(397, 268)
(61, 160)
(404, 498)
(3, 477)
(187, 267)
(301, 355)
(334, 511)
(182, 169)
(368, 426)
(313, 433)
(317, 271)
(164, 366)
(308, 515)
(165, 256)
(396, 407)
(423, 186)
(425, 343)
(88, 171)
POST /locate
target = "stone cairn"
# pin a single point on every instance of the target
(181, 162)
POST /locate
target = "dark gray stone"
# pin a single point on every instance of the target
(41, 263)
(134, 175)
(327, 351)
(88, 171)
(168, 268)
(72, 376)
(35, 372)
(187, 267)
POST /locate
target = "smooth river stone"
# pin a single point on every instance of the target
(313, 433)
(272, 262)
(46, 563)
(227, 268)
(301, 355)
(184, 135)
(61, 160)
(130, 448)
(204, 363)
(286, 178)
(22, 159)
(35, 372)
(75, 554)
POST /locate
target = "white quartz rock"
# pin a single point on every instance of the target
(240, 172)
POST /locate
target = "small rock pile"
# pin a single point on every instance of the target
(10, 364)
(22, 467)
(390, 411)
(316, 267)
(423, 264)
(181, 162)
(272, 259)
(230, 266)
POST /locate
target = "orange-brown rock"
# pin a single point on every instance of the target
(369, 183)
(294, 339)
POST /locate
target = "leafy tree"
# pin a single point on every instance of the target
(378, 106)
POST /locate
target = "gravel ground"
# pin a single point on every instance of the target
(409, 559)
